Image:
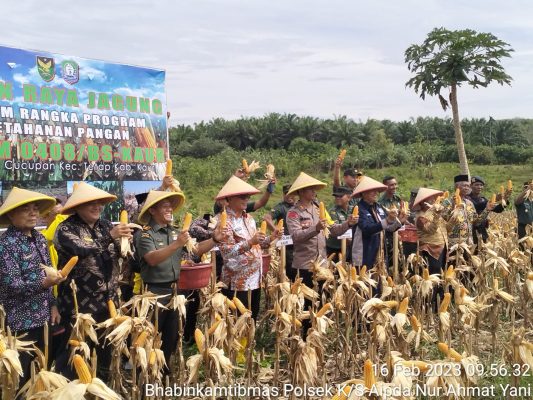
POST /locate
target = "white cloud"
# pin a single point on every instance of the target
(227, 58)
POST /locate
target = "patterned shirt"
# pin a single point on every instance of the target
(460, 221)
(97, 271)
(26, 302)
(242, 263)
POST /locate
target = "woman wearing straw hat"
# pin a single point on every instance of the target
(25, 287)
(95, 241)
(306, 227)
(240, 250)
(160, 248)
(431, 229)
(373, 220)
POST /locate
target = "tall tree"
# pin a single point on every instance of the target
(447, 59)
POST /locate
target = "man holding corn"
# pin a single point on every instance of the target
(160, 248)
(25, 287)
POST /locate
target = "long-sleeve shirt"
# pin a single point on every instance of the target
(367, 236)
(97, 271)
(242, 267)
(308, 243)
(461, 221)
(26, 302)
(432, 235)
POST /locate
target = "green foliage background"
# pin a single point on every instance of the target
(420, 152)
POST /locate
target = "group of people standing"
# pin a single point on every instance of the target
(77, 229)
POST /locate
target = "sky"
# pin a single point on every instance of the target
(233, 58)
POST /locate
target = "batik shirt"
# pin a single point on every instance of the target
(97, 271)
(461, 220)
(26, 302)
(242, 263)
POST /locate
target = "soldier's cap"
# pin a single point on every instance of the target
(414, 191)
(286, 188)
(341, 191)
(352, 172)
(477, 179)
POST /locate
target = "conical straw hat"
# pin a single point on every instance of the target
(155, 196)
(424, 194)
(18, 197)
(85, 193)
(236, 187)
(367, 183)
(304, 181)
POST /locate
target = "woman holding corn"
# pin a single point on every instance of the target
(96, 242)
(25, 287)
(241, 250)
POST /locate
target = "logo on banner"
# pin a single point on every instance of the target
(70, 71)
(46, 67)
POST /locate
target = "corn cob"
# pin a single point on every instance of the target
(120, 319)
(509, 185)
(502, 190)
(425, 274)
(391, 303)
(238, 303)
(411, 364)
(390, 282)
(342, 154)
(3, 346)
(363, 270)
(450, 273)
(457, 197)
(343, 393)
(112, 308)
(168, 171)
(446, 195)
(404, 304)
(74, 186)
(322, 211)
(84, 375)
(199, 339)
(353, 274)
(263, 228)
(414, 323)
(141, 339)
(445, 303)
(341, 269)
(296, 286)
(296, 322)
(152, 358)
(123, 217)
(187, 222)
(245, 167)
(455, 355)
(355, 211)
(279, 226)
(493, 198)
(39, 385)
(332, 255)
(368, 373)
(438, 200)
(325, 308)
(74, 342)
(223, 218)
(213, 327)
(68, 266)
(218, 317)
(231, 304)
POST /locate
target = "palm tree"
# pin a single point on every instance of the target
(447, 59)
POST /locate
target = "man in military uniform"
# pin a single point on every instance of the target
(160, 247)
(480, 203)
(340, 213)
(524, 209)
(280, 212)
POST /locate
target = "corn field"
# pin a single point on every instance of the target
(372, 335)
